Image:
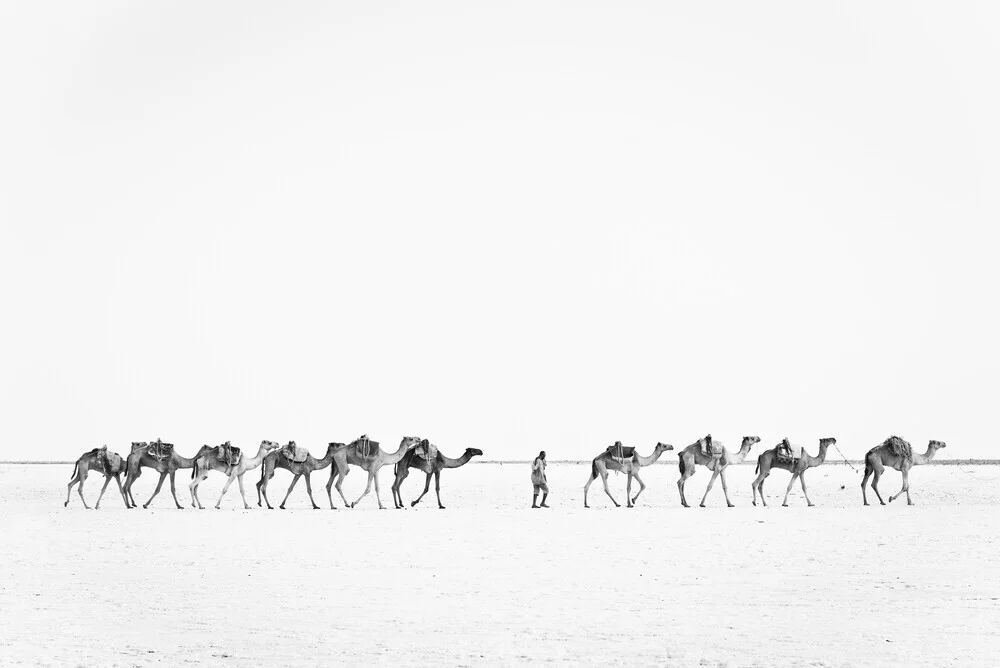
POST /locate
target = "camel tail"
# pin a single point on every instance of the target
(680, 464)
(757, 469)
(593, 468)
(75, 467)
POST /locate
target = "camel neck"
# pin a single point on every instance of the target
(450, 463)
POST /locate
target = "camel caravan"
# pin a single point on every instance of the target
(418, 453)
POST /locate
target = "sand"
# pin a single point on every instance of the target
(489, 581)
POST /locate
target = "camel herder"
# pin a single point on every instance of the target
(538, 480)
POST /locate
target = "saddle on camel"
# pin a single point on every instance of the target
(159, 450)
(787, 452)
(110, 463)
(367, 448)
(228, 454)
(294, 453)
(620, 453)
(426, 450)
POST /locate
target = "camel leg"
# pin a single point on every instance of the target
(329, 484)
(243, 494)
(789, 489)
(802, 481)
(107, 481)
(225, 488)
(378, 491)
(309, 489)
(725, 488)
(756, 481)
(628, 490)
(339, 486)
(864, 481)
(163, 476)
(904, 488)
(586, 487)
(173, 490)
(73, 481)
(368, 488)
(120, 490)
(715, 474)
(642, 487)
(875, 478)
(397, 494)
(79, 490)
(265, 475)
(130, 479)
(760, 488)
(193, 488)
(604, 479)
(687, 473)
(290, 488)
(437, 488)
(427, 486)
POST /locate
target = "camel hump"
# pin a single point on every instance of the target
(899, 447)
(160, 450)
(294, 453)
(426, 450)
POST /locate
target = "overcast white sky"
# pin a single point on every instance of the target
(521, 226)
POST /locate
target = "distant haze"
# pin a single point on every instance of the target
(517, 226)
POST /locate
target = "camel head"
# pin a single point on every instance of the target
(750, 441)
(935, 445)
(827, 442)
(410, 442)
(663, 447)
(474, 452)
(138, 445)
(269, 445)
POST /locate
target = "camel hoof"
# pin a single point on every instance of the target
(145, 506)
(442, 507)
(784, 505)
(65, 505)
(352, 503)
(701, 505)
(315, 507)
(412, 504)
(731, 505)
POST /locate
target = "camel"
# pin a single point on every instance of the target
(627, 460)
(797, 467)
(890, 453)
(99, 459)
(367, 454)
(717, 462)
(434, 466)
(277, 459)
(167, 464)
(211, 462)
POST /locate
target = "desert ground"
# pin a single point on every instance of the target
(490, 581)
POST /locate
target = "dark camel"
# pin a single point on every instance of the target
(797, 467)
(140, 457)
(112, 465)
(277, 459)
(412, 460)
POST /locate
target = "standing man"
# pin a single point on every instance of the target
(538, 480)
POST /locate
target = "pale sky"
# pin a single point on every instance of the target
(513, 226)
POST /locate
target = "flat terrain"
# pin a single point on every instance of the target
(490, 581)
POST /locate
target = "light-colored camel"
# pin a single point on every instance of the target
(211, 462)
(411, 460)
(693, 455)
(367, 454)
(276, 459)
(140, 457)
(769, 460)
(882, 456)
(629, 465)
(97, 460)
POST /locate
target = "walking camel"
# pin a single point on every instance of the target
(367, 454)
(218, 459)
(895, 453)
(713, 455)
(162, 458)
(427, 458)
(280, 459)
(618, 457)
(110, 464)
(797, 466)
